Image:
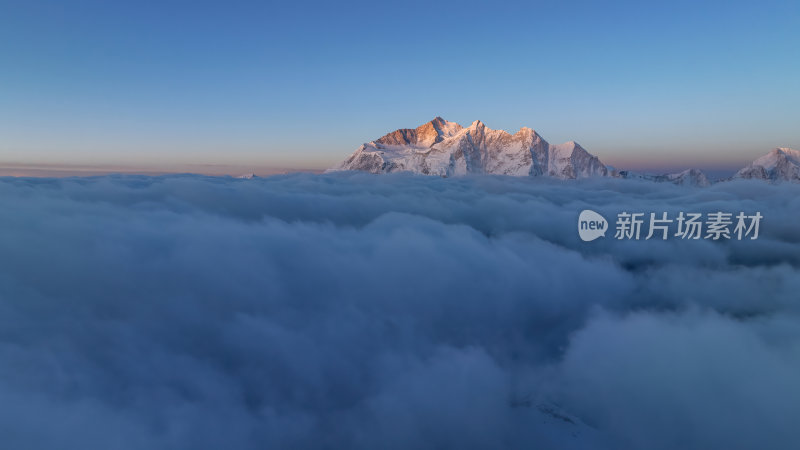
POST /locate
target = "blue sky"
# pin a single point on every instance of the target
(302, 84)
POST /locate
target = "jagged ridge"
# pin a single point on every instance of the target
(446, 148)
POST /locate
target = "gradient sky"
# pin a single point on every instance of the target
(302, 84)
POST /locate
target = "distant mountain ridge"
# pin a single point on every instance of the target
(688, 177)
(447, 149)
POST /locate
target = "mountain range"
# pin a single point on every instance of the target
(447, 149)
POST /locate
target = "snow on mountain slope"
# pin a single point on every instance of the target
(570, 160)
(423, 136)
(780, 164)
(446, 148)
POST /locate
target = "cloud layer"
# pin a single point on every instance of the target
(358, 311)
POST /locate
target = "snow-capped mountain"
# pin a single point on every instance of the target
(689, 177)
(780, 164)
(446, 148)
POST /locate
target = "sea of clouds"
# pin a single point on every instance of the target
(396, 312)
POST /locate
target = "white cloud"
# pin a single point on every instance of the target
(351, 310)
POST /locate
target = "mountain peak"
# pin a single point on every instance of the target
(790, 152)
(424, 135)
(568, 146)
(446, 148)
(780, 164)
